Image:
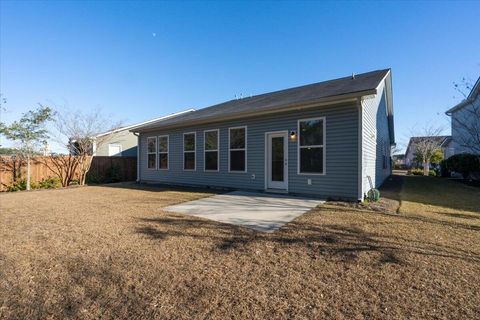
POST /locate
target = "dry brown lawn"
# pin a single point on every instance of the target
(111, 252)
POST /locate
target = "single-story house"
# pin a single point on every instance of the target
(121, 142)
(330, 139)
(443, 142)
(466, 123)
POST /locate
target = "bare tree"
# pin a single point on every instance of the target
(79, 133)
(63, 166)
(467, 121)
(427, 144)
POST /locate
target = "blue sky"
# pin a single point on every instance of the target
(141, 60)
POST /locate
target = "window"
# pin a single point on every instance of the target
(311, 146)
(163, 152)
(114, 150)
(237, 153)
(189, 151)
(152, 152)
(210, 141)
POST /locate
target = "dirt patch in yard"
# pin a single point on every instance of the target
(101, 252)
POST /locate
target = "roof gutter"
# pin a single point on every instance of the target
(350, 97)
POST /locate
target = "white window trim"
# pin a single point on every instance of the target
(194, 151)
(324, 146)
(155, 153)
(163, 152)
(113, 144)
(217, 150)
(245, 149)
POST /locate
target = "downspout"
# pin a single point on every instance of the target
(360, 151)
(138, 155)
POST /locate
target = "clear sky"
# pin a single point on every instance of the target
(141, 60)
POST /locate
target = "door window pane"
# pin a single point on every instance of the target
(277, 158)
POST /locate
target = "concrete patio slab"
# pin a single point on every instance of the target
(260, 211)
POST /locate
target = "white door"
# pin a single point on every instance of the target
(277, 163)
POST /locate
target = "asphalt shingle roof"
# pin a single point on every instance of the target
(278, 99)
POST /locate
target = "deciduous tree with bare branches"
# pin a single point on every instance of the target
(79, 132)
(427, 143)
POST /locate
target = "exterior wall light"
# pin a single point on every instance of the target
(293, 135)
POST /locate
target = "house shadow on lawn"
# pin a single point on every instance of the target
(329, 241)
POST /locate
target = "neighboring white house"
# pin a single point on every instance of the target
(121, 142)
(466, 123)
(443, 141)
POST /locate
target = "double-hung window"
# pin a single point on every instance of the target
(237, 153)
(163, 152)
(211, 147)
(152, 153)
(189, 151)
(311, 146)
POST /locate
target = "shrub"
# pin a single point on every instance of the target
(444, 171)
(464, 163)
(113, 174)
(18, 186)
(93, 177)
(416, 172)
(373, 195)
(419, 172)
(49, 183)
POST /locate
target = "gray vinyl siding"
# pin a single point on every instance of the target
(125, 138)
(461, 138)
(375, 139)
(340, 180)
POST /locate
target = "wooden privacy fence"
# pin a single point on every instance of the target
(113, 169)
(103, 169)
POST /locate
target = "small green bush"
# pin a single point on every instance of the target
(18, 186)
(373, 195)
(113, 174)
(419, 172)
(416, 172)
(49, 183)
(93, 177)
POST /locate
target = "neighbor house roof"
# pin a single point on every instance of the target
(346, 88)
(471, 97)
(442, 140)
(130, 127)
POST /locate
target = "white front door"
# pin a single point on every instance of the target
(277, 163)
